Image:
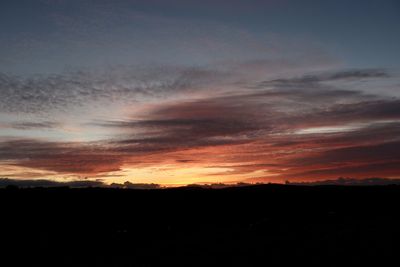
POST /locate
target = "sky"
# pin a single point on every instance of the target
(181, 92)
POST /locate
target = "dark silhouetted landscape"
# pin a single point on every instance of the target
(260, 225)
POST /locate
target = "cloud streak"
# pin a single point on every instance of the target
(345, 75)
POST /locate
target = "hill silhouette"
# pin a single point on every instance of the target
(262, 225)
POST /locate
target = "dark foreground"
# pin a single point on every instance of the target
(253, 226)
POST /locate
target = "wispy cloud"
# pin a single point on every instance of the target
(29, 125)
(64, 91)
(346, 75)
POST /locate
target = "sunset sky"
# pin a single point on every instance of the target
(181, 92)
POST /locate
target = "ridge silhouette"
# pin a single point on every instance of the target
(262, 225)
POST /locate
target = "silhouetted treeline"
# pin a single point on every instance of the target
(264, 225)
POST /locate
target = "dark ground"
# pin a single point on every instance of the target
(267, 225)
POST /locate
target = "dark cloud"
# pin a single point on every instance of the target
(81, 158)
(252, 115)
(34, 125)
(332, 114)
(192, 124)
(348, 75)
(361, 154)
(4, 182)
(352, 182)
